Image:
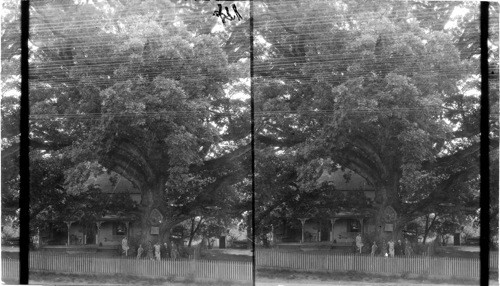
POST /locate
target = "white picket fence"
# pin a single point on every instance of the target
(242, 271)
(432, 266)
(90, 264)
(494, 260)
(10, 269)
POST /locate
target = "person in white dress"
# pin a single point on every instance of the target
(125, 246)
(359, 242)
(157, 251)
(391, 248)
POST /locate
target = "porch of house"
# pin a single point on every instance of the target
(342, 247)
(337, 232)
(107, 233)
(79, 249)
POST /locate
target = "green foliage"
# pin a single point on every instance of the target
(391, 99)
(137, 88)
(10, 228)
(387, 90)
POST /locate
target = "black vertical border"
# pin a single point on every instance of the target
(252, 136)
(485, 145)
(24, 171)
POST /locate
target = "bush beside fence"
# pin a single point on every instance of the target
(431, 266)
(90, 264)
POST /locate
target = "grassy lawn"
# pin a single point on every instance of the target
(227, 254)
(441, 251)
(457, 251)
(81, 279)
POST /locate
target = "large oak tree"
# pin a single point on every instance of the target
(380, 88)
(144, 89)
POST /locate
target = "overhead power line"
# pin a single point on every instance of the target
(285, 69)
(261, 113)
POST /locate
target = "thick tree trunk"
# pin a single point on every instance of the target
(426, 232)
(147, 206)
(151, 200)
(191, 232)
(194, 229)
(428, 227)
(387, 196)
(165, 240)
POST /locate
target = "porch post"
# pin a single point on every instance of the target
(68, 223)
(272, 234)
(332, 220)
(127, 223)
(38, 240)
(98, 224)
(303, 221)
(361, 225)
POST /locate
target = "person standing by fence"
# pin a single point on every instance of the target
(403, 249)
(408, 249)
(150, 250)
(359, 242)
(140, 250)
(125, 246)
(383, 248)
(391, 248)
(157, 250)
(174, 253)
(399, 250)
(374, 248)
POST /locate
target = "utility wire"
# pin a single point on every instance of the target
(326, 112)
(281, 65)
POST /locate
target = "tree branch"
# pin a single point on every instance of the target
(370, 151)
(360, 165)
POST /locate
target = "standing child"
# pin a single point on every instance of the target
(374, 248)
(150, 250)
(140, 250)
(408, 249)
(359, 242)
(125, 247)
(391, 248)
(174, 253)
(157, 250)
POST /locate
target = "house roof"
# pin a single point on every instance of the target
(116, 217)
(345, 180)
(351, 214)
(122, 185)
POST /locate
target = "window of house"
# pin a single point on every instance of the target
(354, 225)
(119, 228)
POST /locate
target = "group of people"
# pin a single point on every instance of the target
(153, 252)
(174, 252)
(392, 249)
